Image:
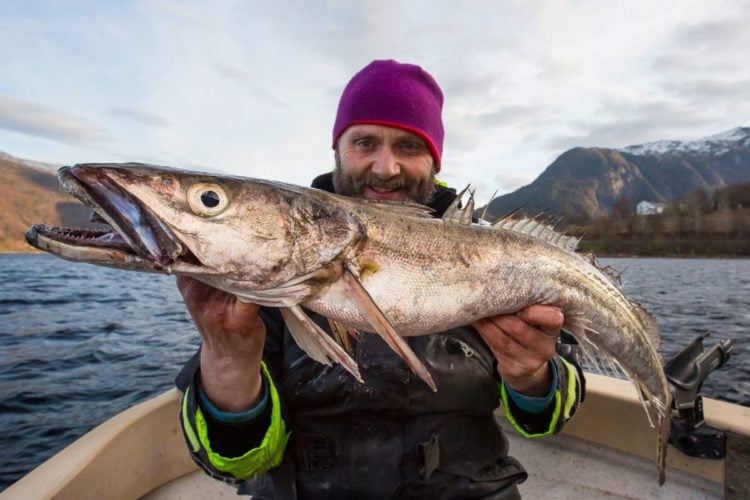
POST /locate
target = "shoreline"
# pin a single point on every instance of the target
(672, 256)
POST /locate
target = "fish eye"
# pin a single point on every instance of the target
(210, 199)
(207, 200)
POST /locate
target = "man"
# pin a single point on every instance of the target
(251, 384)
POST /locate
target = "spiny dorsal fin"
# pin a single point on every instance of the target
(483, 217)
(458, 213)
(610, 272)
(539, 229)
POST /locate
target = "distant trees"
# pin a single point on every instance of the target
(697, 223)
(732, 197)
(622, 209)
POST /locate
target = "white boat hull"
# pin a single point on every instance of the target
(608, 449)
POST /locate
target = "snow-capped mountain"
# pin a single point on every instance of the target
(586, 182)
(714, 145)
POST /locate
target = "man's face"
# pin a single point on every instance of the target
(384, 163)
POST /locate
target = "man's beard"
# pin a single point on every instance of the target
(417, 190)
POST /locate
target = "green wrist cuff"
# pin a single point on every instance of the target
(267, 455)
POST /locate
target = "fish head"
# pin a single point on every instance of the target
(176, 221)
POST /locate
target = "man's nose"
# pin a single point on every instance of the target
(386, 164)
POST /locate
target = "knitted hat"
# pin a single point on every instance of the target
(397, 95)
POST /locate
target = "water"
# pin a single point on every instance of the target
(81, 343)
(692, 297)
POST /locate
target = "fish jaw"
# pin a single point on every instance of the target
(134, 222)
(136, 239)
(88, 246)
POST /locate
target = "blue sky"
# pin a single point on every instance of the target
(251, 88)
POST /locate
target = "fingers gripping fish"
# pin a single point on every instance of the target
(382, 267)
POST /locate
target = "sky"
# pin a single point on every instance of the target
(251, 88)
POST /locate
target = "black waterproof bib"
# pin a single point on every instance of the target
(392, 436)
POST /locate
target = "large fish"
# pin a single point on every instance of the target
(382, 267)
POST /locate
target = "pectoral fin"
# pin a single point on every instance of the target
(382, 326)
(315, 342)
(342, 334)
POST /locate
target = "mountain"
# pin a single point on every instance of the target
(586, 182)
(29, 194)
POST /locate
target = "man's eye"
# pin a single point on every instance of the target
(411, 147)
(364, 143)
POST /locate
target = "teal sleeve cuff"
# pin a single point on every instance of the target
(531, 404)
(229, 417)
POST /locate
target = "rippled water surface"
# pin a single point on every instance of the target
(692, 297)
(81, 343)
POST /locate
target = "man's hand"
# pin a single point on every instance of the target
(233, 337)
(523, 344)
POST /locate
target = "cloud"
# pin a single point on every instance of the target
(511, 182)
(511, 115)
(626, 123)
(231, 73)
(714, 35)
(678, 65)
(141, 116)
(464, 86)
(244, 79)
(39, 120)
(711, 48)
(558, 65)
(716, 91)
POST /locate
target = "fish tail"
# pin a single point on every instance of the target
(656, 398)
(662, 442)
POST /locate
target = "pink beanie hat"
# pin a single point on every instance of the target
(397, 95)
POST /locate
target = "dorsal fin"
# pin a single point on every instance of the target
(460, 213)
(483, 217)
(610, 272)
(539, 229)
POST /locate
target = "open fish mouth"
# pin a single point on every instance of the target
(135, 235)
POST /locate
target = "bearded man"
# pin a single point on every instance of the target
(261, 414)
